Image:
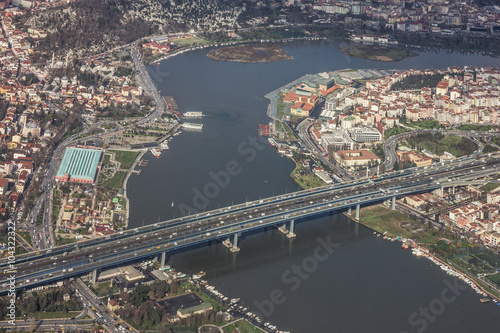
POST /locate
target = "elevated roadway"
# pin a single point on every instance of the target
(46, 266)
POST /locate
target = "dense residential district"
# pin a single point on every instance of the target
(79, 118)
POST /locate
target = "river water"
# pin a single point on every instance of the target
(336, 276)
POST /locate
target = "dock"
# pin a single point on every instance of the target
(171, 103)
(143, 162)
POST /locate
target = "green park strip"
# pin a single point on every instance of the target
(55, 315)
(305, 180)
(116, 181)
(126, 158)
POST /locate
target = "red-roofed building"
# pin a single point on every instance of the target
(442, 88)
(4, 186)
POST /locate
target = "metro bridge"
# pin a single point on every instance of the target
(46, 266)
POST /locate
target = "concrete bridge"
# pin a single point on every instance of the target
(228, 223)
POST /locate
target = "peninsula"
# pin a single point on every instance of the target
(250, 53)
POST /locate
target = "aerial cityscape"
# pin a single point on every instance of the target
(250, 166)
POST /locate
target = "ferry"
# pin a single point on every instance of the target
(193, 114)
(191, 126)
(156, 152)
(272, 142)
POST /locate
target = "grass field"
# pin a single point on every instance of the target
(53, 315)
(383, 219)
(116, 181)
(306, 180)
(190, 41)
(26, 236)
(489, 187)
(126, 158)
(104, 289)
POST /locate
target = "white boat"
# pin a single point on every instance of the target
(156, 152)
(193, 114)
(192, 126)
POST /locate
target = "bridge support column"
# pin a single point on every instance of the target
(349, 211)
(441, 191)
(453, 190)
(94, 276)
(357, 211)
(291, 233)
(233, 247)
(163, 257)
(393, 203)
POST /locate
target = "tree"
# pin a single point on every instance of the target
(159, 288)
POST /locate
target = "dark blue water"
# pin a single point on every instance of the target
(365, 284)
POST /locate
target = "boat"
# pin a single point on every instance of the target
(193, 114)
(156, 152)
(272, 142)
(199, 275)
(405, 246)
(164, 145)
(192, 126)
(235, 300)
(485, 300)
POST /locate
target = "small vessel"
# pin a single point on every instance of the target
(235, 300)
(272, 142)
(193, 114)
(192, 126)
(164, 145)
(485, 300)
(155, 151)
(405, 246)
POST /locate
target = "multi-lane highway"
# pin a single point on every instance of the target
(59, 262)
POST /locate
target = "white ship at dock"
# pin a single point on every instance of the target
(193, 114)
(192, 126)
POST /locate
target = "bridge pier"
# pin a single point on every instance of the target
(393, 203)
(94, 276)
(358, 206)
(286, 232)
(163, 258)
(233, 247)
(349, 210)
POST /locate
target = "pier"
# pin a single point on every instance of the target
(171, 103)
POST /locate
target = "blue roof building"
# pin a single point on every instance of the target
(79, 165)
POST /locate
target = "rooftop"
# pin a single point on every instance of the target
(79, 163)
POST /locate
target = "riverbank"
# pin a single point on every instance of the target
(395, 225)
(377, 52)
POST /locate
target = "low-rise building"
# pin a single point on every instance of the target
(354, 158)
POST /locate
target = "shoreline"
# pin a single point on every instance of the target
(460, 272)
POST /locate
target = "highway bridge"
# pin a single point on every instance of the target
(49, 265)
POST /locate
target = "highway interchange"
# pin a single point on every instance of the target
(49, 265)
